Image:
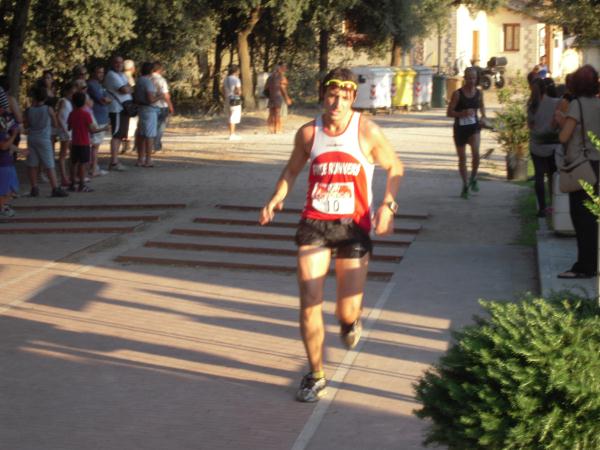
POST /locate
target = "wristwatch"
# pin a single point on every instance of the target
(393, 206)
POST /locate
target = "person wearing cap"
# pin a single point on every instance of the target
(342, 147)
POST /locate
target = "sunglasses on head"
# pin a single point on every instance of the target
(342, 84)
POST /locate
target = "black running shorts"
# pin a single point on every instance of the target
(119, 124)
(80, 154)
(344, 237)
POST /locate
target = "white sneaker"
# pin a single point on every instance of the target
(234, 137)
(7, 211)
(118, 167)
(100, 173)
(44, 178)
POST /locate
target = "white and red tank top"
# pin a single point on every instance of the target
(339, 181)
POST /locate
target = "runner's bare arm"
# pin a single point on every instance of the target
(294, 166)
(382, 153)
(481, 105)
(452, 105)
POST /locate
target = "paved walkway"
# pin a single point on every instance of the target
(98, 354)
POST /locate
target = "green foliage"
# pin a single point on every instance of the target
(397, 20)
(512, 132)
(67, 32)
(594, 203)
(527, 377)
(579, 17)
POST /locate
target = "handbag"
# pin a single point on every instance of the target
(579, 169)
(129, 107)
(235, 100)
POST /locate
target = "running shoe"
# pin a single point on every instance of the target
(311, 389)
(35, 191)
(58, 192)
(350, 334)
(465, 192)
(118, 167)
(473, 185)
(7, 211)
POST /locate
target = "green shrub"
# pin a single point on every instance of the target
(527, 377)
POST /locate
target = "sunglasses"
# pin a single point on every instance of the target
(342, 84)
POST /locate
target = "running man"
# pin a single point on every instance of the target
(464, 106)
(342, 147)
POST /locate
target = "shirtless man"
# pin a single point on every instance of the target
(342, 147)
(278, 95)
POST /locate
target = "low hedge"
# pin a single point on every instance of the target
(526, 377)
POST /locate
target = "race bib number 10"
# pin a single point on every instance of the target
(333, 198)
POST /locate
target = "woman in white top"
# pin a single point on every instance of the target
(584, 112)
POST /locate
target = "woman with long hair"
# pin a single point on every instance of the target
(582, 117)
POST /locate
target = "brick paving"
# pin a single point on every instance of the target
(98, 354)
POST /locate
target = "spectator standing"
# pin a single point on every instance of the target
(129, 70)
(101, 99)
(39, 119)
(64, 135)
(146, 95)
(232, 95)
(276, 87)
(584, 111)
(117, 85)
(9, 183)
(13, 110)
(81, 123)
(164, 105)
(47, 81)
(79, 72)
(543, 137)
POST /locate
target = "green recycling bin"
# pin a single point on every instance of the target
(438, 97)
(403, 87)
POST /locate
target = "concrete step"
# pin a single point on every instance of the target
(298, 210)
(28, 218)
(100, 206)
(402, 229)
(239, 247)
(57, 227)
(271, 233)
(287, 245)
(221, 260)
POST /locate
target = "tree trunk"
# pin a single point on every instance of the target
(323, 58)
(396, 55)
(219, 47)
(323, 51)
(267, 61)
(16, 40)
(244, 56)
(204, 70)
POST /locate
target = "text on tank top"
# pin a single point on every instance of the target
(465, 103)
(340, 177)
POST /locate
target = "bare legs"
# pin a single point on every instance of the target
(313, 266)
(145, 151)
(62, 162)
(274, 120)
(461, 151)
(32, 173)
